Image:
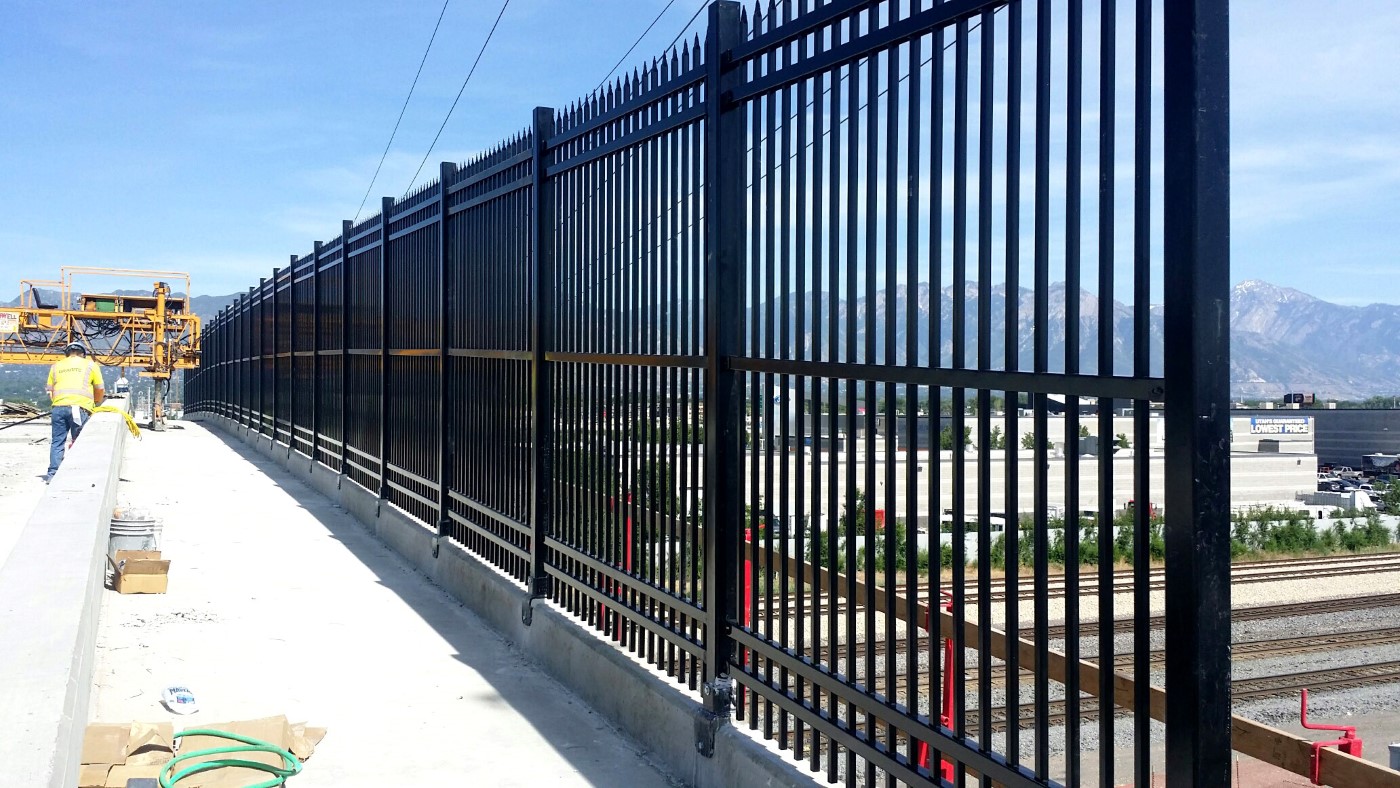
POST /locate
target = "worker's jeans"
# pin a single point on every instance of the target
(67, 420)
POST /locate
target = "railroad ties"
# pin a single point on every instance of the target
(1242, 690)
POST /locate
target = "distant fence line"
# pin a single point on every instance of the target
(570, 355)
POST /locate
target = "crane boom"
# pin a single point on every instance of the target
(155, 333)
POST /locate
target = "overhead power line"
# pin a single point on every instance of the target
(628, 53)
(703, 5)
(460, 90)
(402, 109)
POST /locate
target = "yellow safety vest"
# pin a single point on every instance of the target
(73, 380)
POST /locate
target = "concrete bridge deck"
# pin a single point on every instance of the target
(280, 603)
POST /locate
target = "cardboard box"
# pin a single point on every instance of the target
(93, 775)
(114, 754)
(120, 775)
(140, 572)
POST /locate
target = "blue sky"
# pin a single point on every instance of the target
(220, 137)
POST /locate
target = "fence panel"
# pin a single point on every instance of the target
(329, 330)
(489, 356)
(414, 307)
(364, 317)
(626, 356)
(281, 367)
(303, 349)
(267, 359)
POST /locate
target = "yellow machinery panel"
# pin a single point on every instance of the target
(151, 331)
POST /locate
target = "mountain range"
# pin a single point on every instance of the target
(1282, 339)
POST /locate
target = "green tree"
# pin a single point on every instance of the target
(1122, 441)
(1028, 441)
(998, 440)
(945, 438)
(853, 518)
(1083, 430)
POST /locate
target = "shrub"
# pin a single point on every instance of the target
(997, 439)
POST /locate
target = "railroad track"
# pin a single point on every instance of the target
(1242, 690)
(1260, 688)
(1123, 663)
(1253, 613)
(1257, 649)
(1243, 572)
(1125, 625)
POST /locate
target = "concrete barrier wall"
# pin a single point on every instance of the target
(651, 709)
(50, 597)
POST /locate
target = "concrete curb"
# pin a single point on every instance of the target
(50, 598)
(656, 713)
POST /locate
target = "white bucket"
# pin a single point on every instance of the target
(131, 532)
(136, 533)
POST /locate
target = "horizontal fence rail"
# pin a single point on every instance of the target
(772, 359)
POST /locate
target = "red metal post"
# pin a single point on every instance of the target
(1349, 743)
(945, 717)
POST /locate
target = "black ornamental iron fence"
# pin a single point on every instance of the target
(773, 362)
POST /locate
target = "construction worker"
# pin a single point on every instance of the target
(75, 387)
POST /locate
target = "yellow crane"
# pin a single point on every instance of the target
(155, 333)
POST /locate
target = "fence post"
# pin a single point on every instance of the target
(345, 226)
(724, 260)
(386, 206)
(315, 353)
(262, 344)
(446, 408)
(248, 363)
(292, 358)
(276, 274)
(1196, 279)
(541, 383)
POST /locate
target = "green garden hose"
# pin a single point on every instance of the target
(169, 776)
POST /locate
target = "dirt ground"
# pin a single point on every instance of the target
(24, 457)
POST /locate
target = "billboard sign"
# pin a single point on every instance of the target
(1280, 425)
